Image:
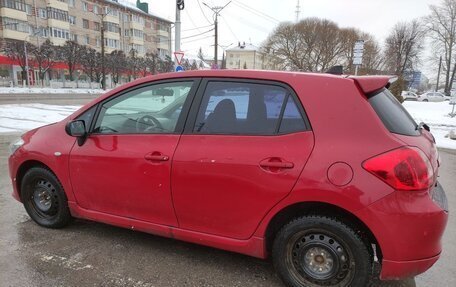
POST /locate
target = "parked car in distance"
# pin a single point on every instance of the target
(329, 175)
(409, 96)
(433, 97)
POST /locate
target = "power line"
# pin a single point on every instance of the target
(226, 22)
(202, 11)
(194, 40)
(196, 35)
(197, 28)
(256, 12)
(191, 20)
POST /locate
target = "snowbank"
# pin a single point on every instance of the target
(436, 116)
(49, 91)
(23, 117)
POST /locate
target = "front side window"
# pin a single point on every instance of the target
(247, 108)
(151, 109)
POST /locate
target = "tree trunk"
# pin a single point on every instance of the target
(450, 87)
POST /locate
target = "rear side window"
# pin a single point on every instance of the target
(393, 115)
(243, 108)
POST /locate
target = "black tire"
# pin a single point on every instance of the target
(316, 250)
(44, 198)
(425, 100)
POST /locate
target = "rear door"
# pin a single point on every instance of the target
(242, 152)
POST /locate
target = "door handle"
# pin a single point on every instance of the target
(275, 163)
(156, 156)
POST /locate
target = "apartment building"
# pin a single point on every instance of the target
(127, 26)
(248, 56)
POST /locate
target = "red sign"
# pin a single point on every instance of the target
(179, 56)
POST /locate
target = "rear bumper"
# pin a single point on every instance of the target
(408, 227)
(403, 269)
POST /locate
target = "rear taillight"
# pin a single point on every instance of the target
(406, 168)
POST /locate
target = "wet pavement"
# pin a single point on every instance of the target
(92, 254)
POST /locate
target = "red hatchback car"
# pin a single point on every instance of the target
(327, 174)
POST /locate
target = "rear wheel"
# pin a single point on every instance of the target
(425, 100)
(321, 251)
(44, 198)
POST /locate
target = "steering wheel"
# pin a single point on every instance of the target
(148, 123)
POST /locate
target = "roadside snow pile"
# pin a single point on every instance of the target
(21, 118)
(436, 116)
(50, 91)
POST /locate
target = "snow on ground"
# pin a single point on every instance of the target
(49, 91)
(23, 117)
(436, 116)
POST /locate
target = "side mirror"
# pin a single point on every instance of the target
(77, 129)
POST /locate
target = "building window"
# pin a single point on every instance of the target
(111, 11)
(72, 20)
(13, 4)
(87, 40)
(95, 9)
(85, 23)
(15, 25)
(98, 41)
(59, 33)
(112, 43)
(71, 3)
(57, 14)
(43, 13)
(137, 33)
(28, 9)
(74, 37)
(96, 26)
(85, 6)
(111, 27)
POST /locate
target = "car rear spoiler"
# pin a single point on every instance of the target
(369, 84)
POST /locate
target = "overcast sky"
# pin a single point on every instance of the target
(252, 21)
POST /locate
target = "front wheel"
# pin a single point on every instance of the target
(44, 198)
(320, 251)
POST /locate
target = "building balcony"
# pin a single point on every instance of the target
(58, 23)
(15, 35)
(163, 45)
(136, 25)
(162, 33)
(111, 35)
(136, 40)
(113, 19)
(13, 13)
(57, 4)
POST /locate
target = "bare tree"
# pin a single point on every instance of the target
(441, 24)
(310, 45)
(71, 53)
(133, 62)
(14, 50)
(200, 54)
(194, 65)
(165, 65)
(45, 57)
(117, 65)
(403, 47)
(91, 64)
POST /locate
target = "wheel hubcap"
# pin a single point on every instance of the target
(44, 198)
(320, 259)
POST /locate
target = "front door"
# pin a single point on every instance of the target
(243, 154)
(124, 166)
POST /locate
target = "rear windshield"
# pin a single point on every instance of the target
(393, 115)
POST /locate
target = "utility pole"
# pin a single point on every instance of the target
(298, 11)
(180, 5)
(102, 16)
(438, 74)
(216, 10)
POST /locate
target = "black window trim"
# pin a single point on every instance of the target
(198, 99)
(182, 117)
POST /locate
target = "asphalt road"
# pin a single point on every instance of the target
(92, 254)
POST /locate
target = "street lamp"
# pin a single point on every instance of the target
(102, 27)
